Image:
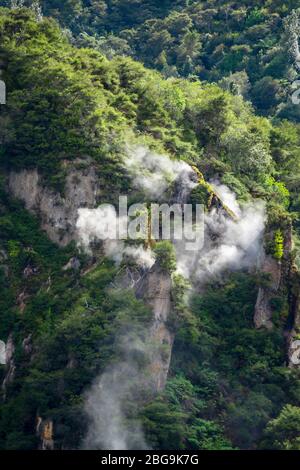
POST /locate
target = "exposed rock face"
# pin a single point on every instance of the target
(21, 301)
(293, 344)
(287, 263)
(129, 278)
(58, 213)
(293, 326)
(73, 264)
(155, 289)
(263, 311)
(3, 262)
(27, 344)
(2, 353)
(3, 256)
(44, 430)
(10, 364)
(285, 278)
(279, 275)
(288, 242)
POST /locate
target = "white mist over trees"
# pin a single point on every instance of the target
(229, 244)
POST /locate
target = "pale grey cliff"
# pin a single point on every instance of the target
(155, 289)
(58, 213)
(263, 311)
(9, 364)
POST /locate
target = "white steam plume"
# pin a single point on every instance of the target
(227, 197)
(153, 173)
(101, 224)
(107, 403)
(229, 244)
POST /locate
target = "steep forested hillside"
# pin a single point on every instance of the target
(249, 46)
(76, 106)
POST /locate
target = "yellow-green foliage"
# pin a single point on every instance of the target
(13, 248)
(278, 245)
(278, 190)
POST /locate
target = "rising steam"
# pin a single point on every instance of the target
(110, 397)
(102, 224)
(154, 174)
(229, 244)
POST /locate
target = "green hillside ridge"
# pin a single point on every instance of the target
(228, 384)
(246, 46)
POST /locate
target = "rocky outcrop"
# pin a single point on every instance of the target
(21, 301)
(279, 273)
(2, 353)
(263, 311)
(293, 324)
(155, 289)
(44, 430)
(284, 279)
(214, 201)
(58, 213)
(293, 342)
(287, 262)
(72, 264)
(3, 262)
(27, 345)
(10, 364)
(129, 277)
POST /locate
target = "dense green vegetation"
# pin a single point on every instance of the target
(70, 320)
(245, 46)
(117, 100)
(224, 371)
(228, 385)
